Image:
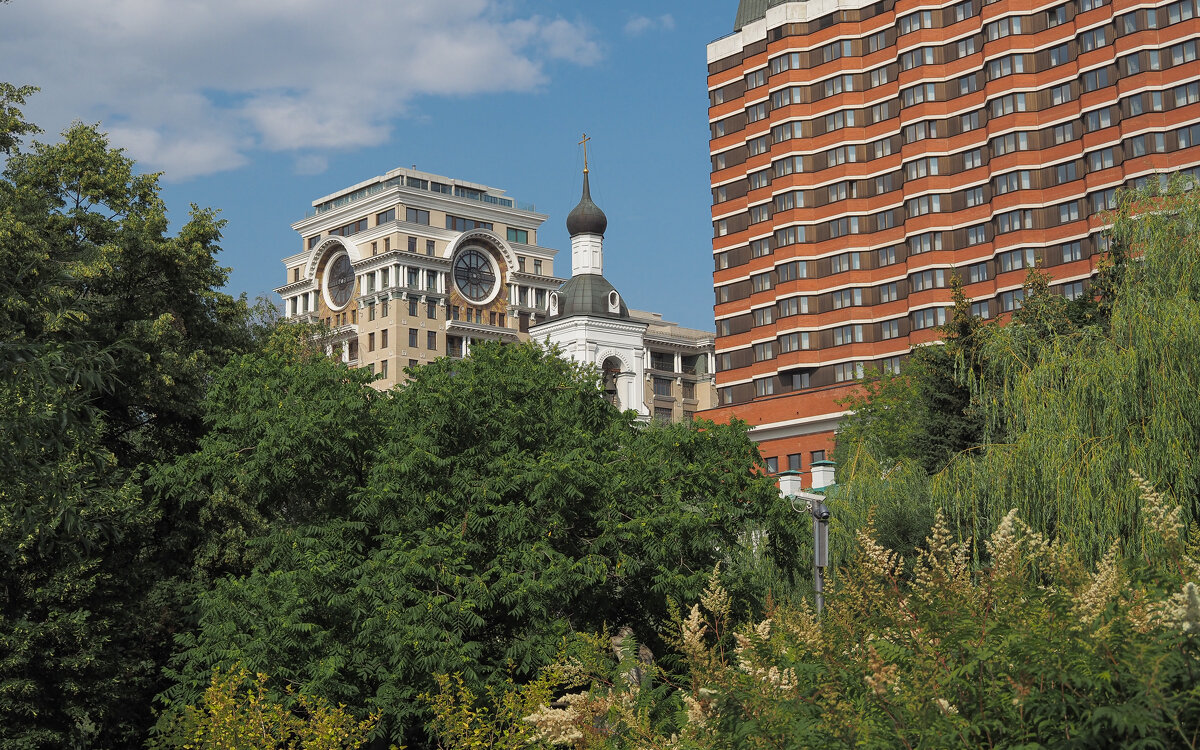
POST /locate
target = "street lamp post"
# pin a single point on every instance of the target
(820, 516)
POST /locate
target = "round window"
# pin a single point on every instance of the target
(475, 275)
(339, 282)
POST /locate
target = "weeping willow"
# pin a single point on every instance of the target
(1070, 410)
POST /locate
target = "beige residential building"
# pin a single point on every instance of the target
(410, 266)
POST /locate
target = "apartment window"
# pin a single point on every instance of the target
(370, 342)
(974, 196)
(765, 387)
(915, 21)
(969, 122)
(1086, 5)
(1056, 16)
(793, 306)
(459, 224)
(1097, 120)
(764, 351)
(1007, 144)
(792, 342)
(763, 179)
(1005, 66)
(1104, 200)
(847, 298)
(916, 94)
(1015, 260)
(1006, 105)
(1102, 159)
(852, 334)
(384, 308)
(920, 168)
(413, 278)
(887, 255)
(980, 309)
(761, 282)
(977, 272)
(836, 85)
(416, 216)
(385, 217)
(431, 310)
(1095, 79)
(431, 340)
(756, 112)
(764, 316)
(1012, 300)
(383, 368)
(772, 463)
(412, 306)
(877, 41)
(1002, 28)
(1188, 136)
(793, 462)
(785, 62)
(915, 58)
(1130, 64)
(1092, 39)
(789, 236)
(880, 76)
(889, 292)
(843, 226)
(1072, 251)
(754, 79)
(518, 235)
(842, 373)
(1068, 212)
(931, 279)
(1187, 94)
(930, 317)
(924, 243)
(966, 47)
(973, 159)
(759, 145)
(760, 213)
(963, 11)
(792, 270)
(1007, 183)
(412, 244)
(412, 337)
(1060, 55)
(846, 262)
(799, 380)
(662, 386)
(889, 329)
(1073, 290)
(1011, 221)
(925, 204)
(1064, 133)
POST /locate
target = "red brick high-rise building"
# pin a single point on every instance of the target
(864, 153)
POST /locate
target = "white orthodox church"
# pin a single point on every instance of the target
(589, 321)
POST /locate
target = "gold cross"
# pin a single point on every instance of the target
(584, 143)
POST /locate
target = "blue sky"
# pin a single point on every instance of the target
(258, 108)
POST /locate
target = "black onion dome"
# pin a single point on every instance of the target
(588, 294)
(586, 218)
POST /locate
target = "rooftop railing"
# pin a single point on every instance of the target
(420, 184)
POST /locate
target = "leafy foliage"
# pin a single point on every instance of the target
(1066, 399)
(110, 330)
(238, 711)
(1037, 648)
(505, 505)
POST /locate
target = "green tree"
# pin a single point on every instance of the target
(109, 331)
(505, 505)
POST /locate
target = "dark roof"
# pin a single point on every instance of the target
(587, 294)
(586, 218)
(750, 11)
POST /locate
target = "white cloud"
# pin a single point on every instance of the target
(308, 164)
(193, 86)
(639, 25)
